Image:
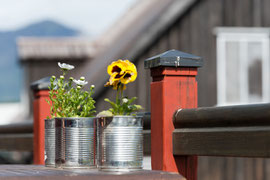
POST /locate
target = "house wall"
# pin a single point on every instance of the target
(193, 33)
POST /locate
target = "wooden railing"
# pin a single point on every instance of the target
(16, 137)
(146, 132)
(180, 131)
(19, 136)
(239, 131)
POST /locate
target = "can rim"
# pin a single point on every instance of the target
(128, 116)
(74, 118)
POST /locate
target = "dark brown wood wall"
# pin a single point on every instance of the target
(193, 33)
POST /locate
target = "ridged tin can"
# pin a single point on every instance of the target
(75, 143)
(120, 143)
(49, 142)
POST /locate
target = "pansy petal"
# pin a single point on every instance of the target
(129, 77)
(118, 66)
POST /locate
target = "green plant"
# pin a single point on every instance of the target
(67, 100)
(121, 73)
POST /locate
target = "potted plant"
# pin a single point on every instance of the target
(73, 109)
(120, 138)
(50, 121)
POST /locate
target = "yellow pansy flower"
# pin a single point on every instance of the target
(113, 83)
(118, 67)
(130, 74)
(121, 72)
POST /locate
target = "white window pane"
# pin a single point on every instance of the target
(255, 71)
(243, 56)
(232, 72)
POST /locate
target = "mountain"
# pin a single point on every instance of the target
(10, 71)
(47, 28)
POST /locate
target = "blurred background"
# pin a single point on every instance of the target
(231, 36)
(36, 33)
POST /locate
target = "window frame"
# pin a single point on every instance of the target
(243, 36)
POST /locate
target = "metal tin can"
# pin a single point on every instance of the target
(49, 142)
(75, 142)
(120, 143)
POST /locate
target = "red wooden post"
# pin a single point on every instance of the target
(41, 110)
(174, 86)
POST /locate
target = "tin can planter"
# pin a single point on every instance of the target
(49, 142)
(75, 143)
(120, 143)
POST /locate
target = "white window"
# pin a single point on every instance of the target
(243, 65)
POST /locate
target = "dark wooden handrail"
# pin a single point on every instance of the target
(146, 116)
(226, 116)
(242, 131)
(17, 128)
(19, 136)
(16, 137)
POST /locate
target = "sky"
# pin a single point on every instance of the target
(91, 17)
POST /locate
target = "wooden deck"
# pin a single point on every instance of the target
(39, 172)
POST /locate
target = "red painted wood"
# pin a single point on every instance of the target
(171, 89)
(41, 111)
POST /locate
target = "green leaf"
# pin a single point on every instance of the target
(114, 105)
(138, 107)
(48, 101)
(131, 100)
(105, 114)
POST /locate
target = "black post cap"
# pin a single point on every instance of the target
(173, 58)
(42, 84)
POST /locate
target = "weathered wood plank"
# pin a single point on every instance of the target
(141, 85)
(239, 141)
(24, 142)
(173, 38)
(248, 175)
(257, 12)
(184, 43)
(17, 128)
(30, 172)
(230, 166)
(265, 13)
(16, 142)
(243, 16)
(229, 13)
(146, 142)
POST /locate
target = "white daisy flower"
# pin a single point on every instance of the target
(125, 100)
(65, 66)
(80, 82)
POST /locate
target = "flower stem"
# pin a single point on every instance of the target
(122, 91)
(117, 98)
(117, 95)
(64, 73)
